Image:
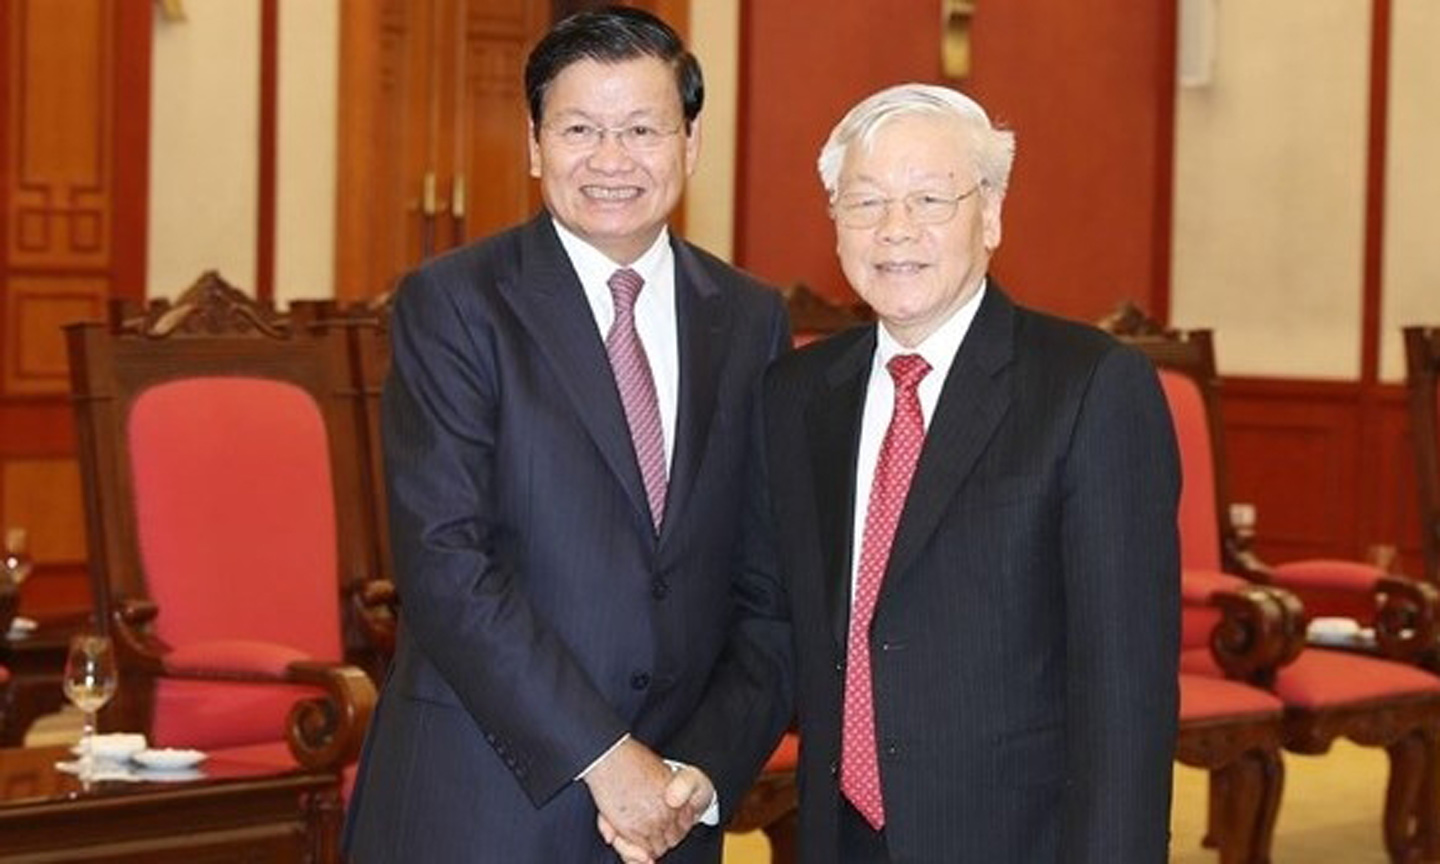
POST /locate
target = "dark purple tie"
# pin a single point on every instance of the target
(859, 763)
(637, 390)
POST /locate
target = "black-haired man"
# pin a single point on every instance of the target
(565, 438)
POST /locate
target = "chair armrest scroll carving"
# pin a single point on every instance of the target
(376, 604)
(136, 647)
(326, 732)
(1262, 629)
(1405, 621)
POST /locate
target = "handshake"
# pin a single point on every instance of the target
(646, 806)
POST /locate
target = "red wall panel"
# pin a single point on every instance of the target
(1088, 89)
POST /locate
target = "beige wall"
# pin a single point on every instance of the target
(305, 149)
(1412, 207)
(1270, 189)
(710, 199)
(204, 146)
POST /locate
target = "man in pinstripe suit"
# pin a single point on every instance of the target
(979, 543)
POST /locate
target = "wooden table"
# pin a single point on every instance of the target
(237, 812)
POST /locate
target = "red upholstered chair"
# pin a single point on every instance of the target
(225, 523)
(1327, 694)
(1422, 363)
(1232, 729)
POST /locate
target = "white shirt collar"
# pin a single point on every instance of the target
(940, 347)
(595, 267)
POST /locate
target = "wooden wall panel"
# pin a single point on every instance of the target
(1087, 87)
(74, 150)
(36, 307)
(1331, 473)
(1292, 454)
(59, 186)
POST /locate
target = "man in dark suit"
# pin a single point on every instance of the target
(978, 539)
(563, 429)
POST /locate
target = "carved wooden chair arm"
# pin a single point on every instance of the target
(1405, 622)
(1262, 630)
(136, 647)
(326, 732)
(377, 604)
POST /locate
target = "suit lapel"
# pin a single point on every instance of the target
(703, 324)
(550, 303)
(976, 396)
(833, 427)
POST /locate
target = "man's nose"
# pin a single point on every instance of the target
(895, 223)
(610, 153)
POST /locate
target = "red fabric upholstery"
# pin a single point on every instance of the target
(786, 755)
(233, 656)
(1321, 678)
(276, 756)
(235, 515)
(1205, 698)
(1332, 588)
(1197, 617)
(206, 715)
(1199, 530)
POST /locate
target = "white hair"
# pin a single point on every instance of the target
(992, 149)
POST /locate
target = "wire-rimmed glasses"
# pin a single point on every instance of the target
(869, 209)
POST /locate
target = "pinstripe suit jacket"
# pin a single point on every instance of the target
(1024, 642)
(541, 616)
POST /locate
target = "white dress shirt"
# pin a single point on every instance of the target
(657, 326)
(655, 320)
(939, 350)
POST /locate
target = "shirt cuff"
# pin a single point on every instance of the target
(711, 816)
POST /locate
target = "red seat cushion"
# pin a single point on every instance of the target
(1327, 679)
(1205, 698)
(276, 756)
(786, 755)
(1321, 678)
(234, 656)
(207, 715)
(1332, 588)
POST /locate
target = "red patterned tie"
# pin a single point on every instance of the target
(859, 764)
(637, 390)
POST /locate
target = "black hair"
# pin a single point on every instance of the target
(612, 35)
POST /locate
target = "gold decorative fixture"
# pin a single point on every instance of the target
(955, 18)
(172, 11)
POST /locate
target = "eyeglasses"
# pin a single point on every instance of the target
(867, 210)
(634, 137)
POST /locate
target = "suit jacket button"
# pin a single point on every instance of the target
(640, 680)
(659, 588)
(834, 768)
(839, 665)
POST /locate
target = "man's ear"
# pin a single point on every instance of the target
(991, 203)
(534, 148)
(692, 147)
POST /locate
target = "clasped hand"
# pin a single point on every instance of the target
(646, 808)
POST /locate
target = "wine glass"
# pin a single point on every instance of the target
(90, 681)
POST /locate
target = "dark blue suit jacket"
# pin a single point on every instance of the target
(1025, 639)
(540, 616)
